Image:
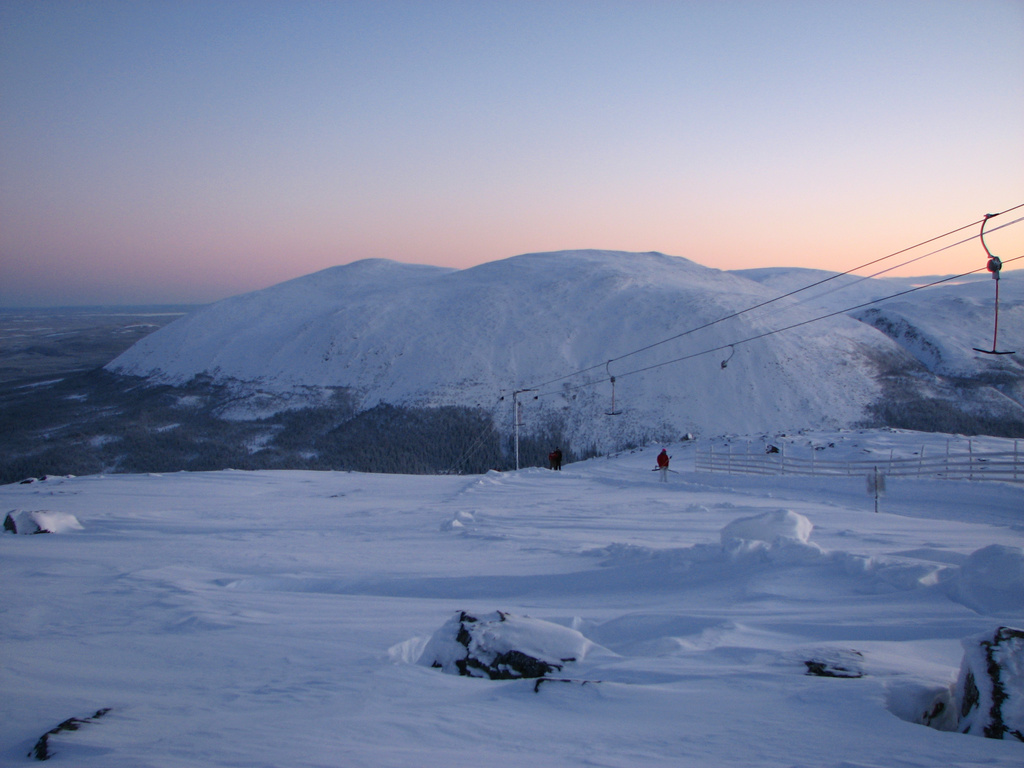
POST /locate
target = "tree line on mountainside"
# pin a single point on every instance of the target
(99, 422)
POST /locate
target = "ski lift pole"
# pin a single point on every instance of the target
(876, 485)
(612, 412)
(995, 324)
(515, 418)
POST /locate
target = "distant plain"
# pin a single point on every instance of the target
(61, 413)
(40, 343)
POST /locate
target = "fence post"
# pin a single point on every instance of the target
(920, 463)
(970, 459)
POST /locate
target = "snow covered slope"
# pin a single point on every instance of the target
(280, 618)
(418, 335)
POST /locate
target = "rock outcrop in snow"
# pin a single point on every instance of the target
(40, 521)
(990, 688)
(43, 749)
(501, 646)
(836, 663)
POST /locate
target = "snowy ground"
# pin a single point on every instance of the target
(276, 618)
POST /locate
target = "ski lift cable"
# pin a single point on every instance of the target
(787, 295)
(756, 337)
(820, 282)
(814, 320)
(476, 445)
(916, 258)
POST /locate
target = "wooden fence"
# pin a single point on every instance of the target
(1006, 466)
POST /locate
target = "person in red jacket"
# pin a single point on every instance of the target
(555, 458)
(663, 458)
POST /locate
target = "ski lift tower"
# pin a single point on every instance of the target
(517, 417)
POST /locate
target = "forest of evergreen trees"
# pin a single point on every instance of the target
(95, 422)
(99, 422)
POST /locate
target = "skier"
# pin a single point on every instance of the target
(555, 459)
(663, 458)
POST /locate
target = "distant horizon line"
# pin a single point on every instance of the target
(144, 308)
(182, 307)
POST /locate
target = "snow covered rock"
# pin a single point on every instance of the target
(501, 646)
(992, 579)
(43, 748)
(836, 663)
(40, 521)
(990, 688)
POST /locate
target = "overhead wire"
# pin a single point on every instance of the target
(537, 387)
(908, 262)
(802, 323)
(788, 294)
(478, 443)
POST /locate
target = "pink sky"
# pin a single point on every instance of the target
(168, 152)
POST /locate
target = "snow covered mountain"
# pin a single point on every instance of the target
(417, 336)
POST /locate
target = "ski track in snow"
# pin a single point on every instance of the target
(275, 618)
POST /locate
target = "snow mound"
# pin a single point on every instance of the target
(40, 521)
(502, 646)
(459, 522)
(779, 535)
(992, 579)
(768, 527)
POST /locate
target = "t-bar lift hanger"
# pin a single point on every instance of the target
(994, 265)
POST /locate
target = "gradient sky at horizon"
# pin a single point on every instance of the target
(161, 152)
